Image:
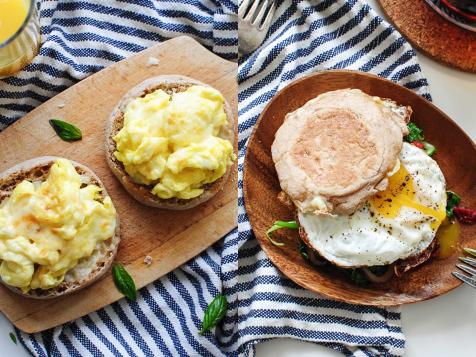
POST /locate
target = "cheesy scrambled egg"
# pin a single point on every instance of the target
(46, 227)
(172, 143)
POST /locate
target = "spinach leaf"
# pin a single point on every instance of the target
(415, 133)
(453, 200)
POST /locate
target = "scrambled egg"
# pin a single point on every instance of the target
(172, 143)
(46, 227)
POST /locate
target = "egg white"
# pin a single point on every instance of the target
(365, 239)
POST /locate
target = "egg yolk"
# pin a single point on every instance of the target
(172, 143)
(47, 227)
(400, 193)
(448, 236)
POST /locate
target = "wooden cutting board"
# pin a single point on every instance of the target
(169, 237)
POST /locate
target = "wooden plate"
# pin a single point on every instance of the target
(456, 156)
(169, 237)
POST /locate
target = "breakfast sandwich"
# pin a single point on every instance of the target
(170, 142)
(364, 198)
(59, 230)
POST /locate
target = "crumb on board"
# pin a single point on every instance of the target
(152, 61)
(61, 105)
(148, 260)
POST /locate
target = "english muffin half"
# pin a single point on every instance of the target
(170, 84)
(337, 150)
(88, 269)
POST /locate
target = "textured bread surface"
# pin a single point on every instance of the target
(336, 151)
(169, 84)
(88, 270)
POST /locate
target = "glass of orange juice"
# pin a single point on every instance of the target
(19, 35)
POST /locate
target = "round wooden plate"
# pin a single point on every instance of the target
(456, 156)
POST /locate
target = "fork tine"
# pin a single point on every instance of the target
(469, 261)
(467, 269)
(261, 13)
(470, 251)
(243, 7)
(251, 14)
(465, 279)
(269, 17)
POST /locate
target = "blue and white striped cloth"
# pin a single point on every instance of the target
(309, 36)
(82, 37)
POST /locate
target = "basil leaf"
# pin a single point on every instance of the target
(13, 337)
(214, 313)
(124, 282)
(453, 200)
(66, 131)
(278, 225)
(414, 133)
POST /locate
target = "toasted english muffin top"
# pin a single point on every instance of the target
(337, 150)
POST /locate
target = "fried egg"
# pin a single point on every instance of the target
(397, 223)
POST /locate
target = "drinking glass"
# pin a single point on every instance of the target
(19, 35)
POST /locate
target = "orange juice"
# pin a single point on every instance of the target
(19, 35)
(12, 15)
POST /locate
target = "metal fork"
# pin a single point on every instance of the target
(469, 268)
(254, 19)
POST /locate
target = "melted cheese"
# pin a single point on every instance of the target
(172, 143)
(47, 227)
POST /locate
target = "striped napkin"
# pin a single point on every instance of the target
(82, 37)
(309, 36)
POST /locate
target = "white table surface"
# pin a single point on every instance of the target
(444, 326)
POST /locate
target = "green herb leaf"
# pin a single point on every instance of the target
(278, 225)
(289, 224)
(470, 251)
(13, 337)
(453, 200)
(124, 282)
(66, 131)
(214, 313)
(414, 133)
(379, 270)
(303, 249)
(429, 149)
(359, 278)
